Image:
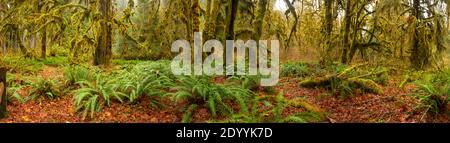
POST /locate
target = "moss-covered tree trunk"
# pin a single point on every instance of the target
(44, 44)
(3, 98)
(328, 29)
(346, 42)
(416, 58)
(210, 27)
(262, 8)
(231, 18)
(195, 16)
(103, 53)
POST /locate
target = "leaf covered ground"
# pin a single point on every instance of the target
(395, 105)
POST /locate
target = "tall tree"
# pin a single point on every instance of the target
(103, 53)
(231, 18)
(258, 24)
(328, 29)
(346, 42)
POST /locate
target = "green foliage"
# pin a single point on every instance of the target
(434, 92)
(295, 70)
(200, 91)
(15, 84)
(31, 66)
(44, 87)
(129, 85)
(269, 109)
(92, 96)
(150, 79)
(58, 51)
(76, 74)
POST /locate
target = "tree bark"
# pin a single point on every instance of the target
(3, 97)
(44, 44)
(294, 27)
(262, 8)
(103, 53)
(195, 16)
(346, 43)
(231, 18)
(328, 28)
(415, 55)
(210, 26)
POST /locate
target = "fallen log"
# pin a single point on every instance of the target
(360, 81)
(320, 81)
(367, 85)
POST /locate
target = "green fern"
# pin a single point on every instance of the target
(273, 112)
(76, 74)
(149, 79)
(200, 91)
(42, 87)
(295, 70)
(92, 96)
(433, 94)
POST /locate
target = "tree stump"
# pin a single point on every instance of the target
(3, 97)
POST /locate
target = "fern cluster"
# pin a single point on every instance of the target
(434, 92)
(200, 91)
(295, 70)
(76, 74)
(127, 86)
(150, 79)
(92, 96)
(44, 87)
(274, 105)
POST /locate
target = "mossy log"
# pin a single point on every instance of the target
(301, 103)
(359, 81)
(320, 81)
(367, 84)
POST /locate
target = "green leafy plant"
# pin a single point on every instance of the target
(434, 93)
(149, 81)
(76, 74)
(269, 109)
(295, 70)
(92, 96)
(44, 87)
(199, 91)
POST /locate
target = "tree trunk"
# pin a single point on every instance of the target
(44, 44)
(195, 16)
(346, 43)
(294, 27)
(103, 53)
(210, 26)
(328, 29)
(415, 55)
(231, 18)
(262, 8)
(3, 97)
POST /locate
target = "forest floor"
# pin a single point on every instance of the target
(395, 106)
